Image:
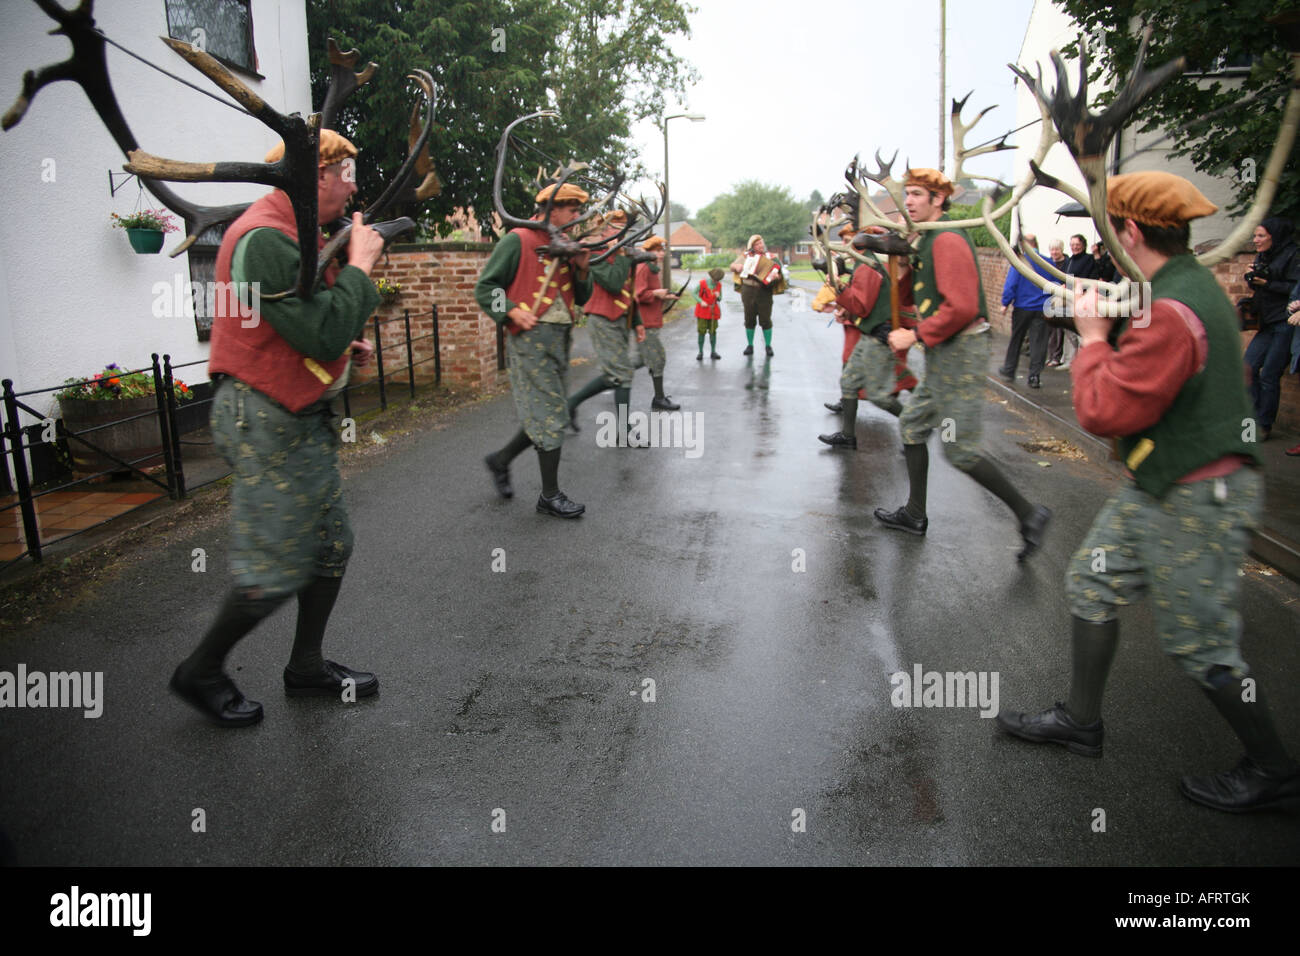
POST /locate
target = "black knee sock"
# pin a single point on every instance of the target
(597, 385)
(513, 448)
(1251, 722)
(659, 385)
(549, 462)
(918, 467)
(622, 396)
(1094, 649)
(239, 614)
(849, 416)
(987, 474)
(315, 602)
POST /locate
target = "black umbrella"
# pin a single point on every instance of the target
(1072, 209)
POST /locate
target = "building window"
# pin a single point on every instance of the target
(223, 28)
(203, 275)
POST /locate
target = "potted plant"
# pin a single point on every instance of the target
(388, 291)
(145, 229)
(102, 403)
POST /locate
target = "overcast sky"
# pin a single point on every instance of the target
(791, 90)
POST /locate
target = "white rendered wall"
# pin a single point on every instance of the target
(1050, 29)
(73, 295)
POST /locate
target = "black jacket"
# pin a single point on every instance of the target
(1082, 266)
(1279, 266)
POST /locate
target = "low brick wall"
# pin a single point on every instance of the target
(441, 274)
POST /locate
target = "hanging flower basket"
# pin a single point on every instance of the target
(389, 292)
(146, 241)
(146, 229)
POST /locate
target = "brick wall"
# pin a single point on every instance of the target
(441, 274)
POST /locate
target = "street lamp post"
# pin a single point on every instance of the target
(668, 207)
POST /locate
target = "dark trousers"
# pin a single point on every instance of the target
(757, 302)
(1266, 357)
(1031, 322)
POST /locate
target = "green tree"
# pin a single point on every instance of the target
(814, 200)
(678, 213)
(754, 207)
(1201, 107)
(603, 64)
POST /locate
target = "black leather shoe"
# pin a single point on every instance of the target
(1054, 726)
(1034, 382)
(573, 420)
(218, 699)
(1244, 788)
(1032, 530)
(714, 355)
(749, 350)
(700, 357)
(329, 683)
(903, 521)
(837, 408)
(559, 506)
(770, 353)
(1006, 376)
(500, 477)
(665, 404)
(840, 440)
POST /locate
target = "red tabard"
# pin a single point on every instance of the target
(607, 305)
(532, 273)
(258, 355)
(707, 307)
(652, 307)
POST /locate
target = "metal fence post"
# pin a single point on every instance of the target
(14, 432)
(164, 427)
(177, 460)
(379, 361)
(437, 348)
(410, 355)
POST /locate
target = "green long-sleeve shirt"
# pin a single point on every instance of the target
(499, 271)
(321, 328)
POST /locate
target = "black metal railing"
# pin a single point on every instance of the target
(21, 441)
(404, 342)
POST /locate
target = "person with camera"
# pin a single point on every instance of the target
(1272, 276)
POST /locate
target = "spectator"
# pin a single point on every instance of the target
(1056, 336)
(1293, 313)
(1272, 277)
(1081, 265)
(1026, 318)
(1105, 268)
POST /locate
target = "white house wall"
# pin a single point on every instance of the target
(1050, 29)
(73, 295)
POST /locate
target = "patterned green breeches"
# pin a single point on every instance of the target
(1187, 550)
(287, 500)
(871, 367)
(650, 353)
(539, 359)
(609, 339)
(950, 398)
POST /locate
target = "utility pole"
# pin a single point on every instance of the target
(943, 77)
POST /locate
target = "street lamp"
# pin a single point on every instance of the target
(668, 207)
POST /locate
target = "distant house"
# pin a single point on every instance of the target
(686, 241)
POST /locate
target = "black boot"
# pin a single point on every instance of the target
(1266, 777)
(1077, 725)
(552, 500)
(662, 401)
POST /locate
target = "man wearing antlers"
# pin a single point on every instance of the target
(1173, 397)
(950, 320)
(519, 289)
(650, 299)
(610, 316)
(272, 421)
(864, 307)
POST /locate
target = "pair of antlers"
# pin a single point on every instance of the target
(562, 242)
(295, 172)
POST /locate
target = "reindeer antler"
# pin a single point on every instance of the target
(959, 131)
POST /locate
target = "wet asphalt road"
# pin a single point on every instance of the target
(522, 691)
